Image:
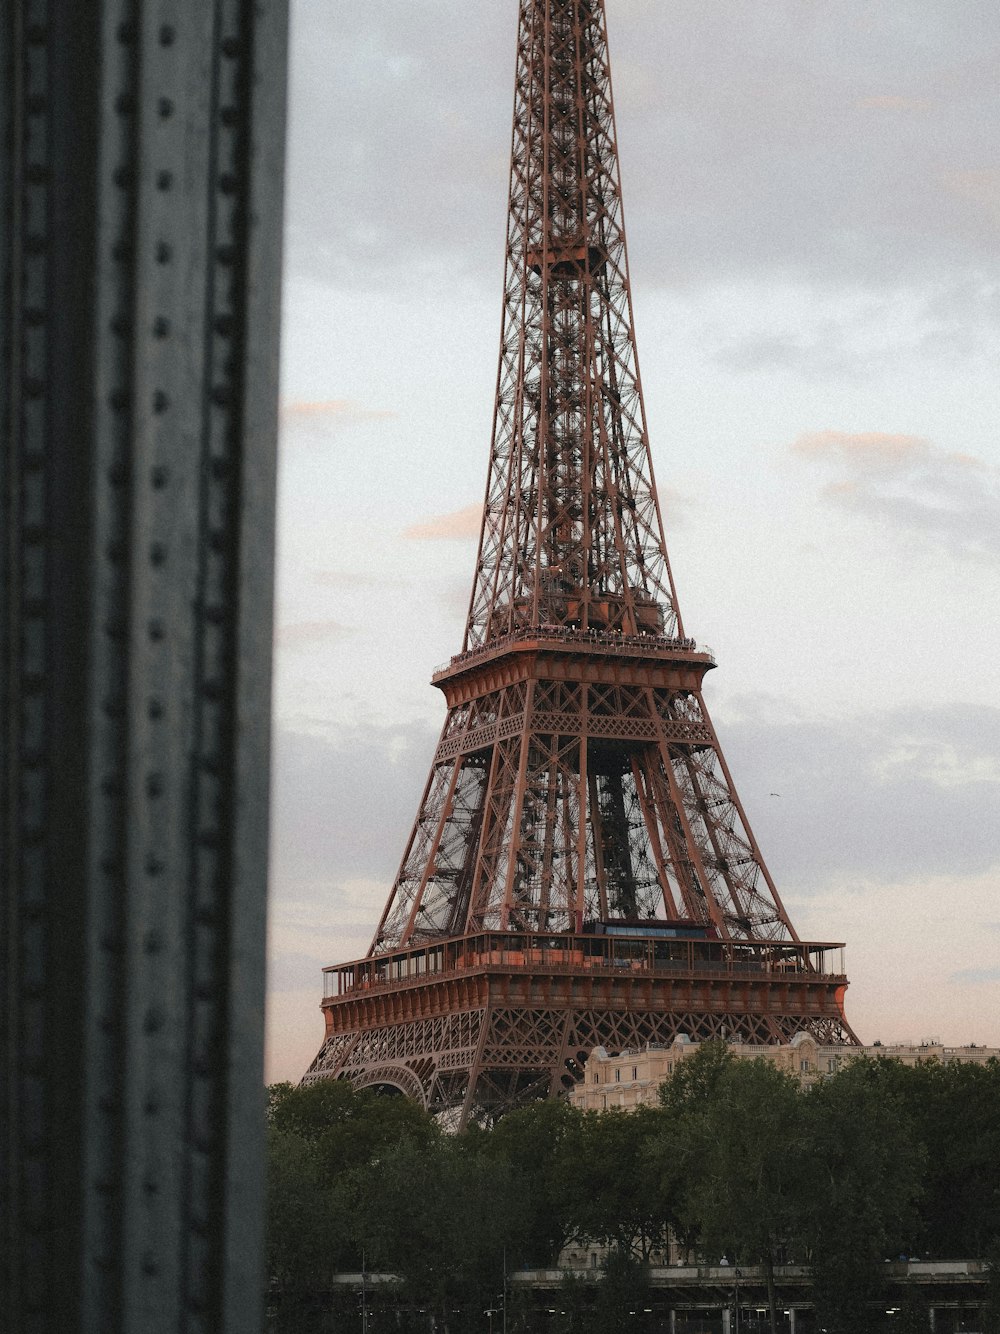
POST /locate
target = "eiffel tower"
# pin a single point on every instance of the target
(581, 871)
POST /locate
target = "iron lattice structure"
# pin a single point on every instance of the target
(581, 871)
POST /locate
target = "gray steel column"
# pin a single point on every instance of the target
(140, 222)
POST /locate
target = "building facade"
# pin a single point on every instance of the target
(632, 1078)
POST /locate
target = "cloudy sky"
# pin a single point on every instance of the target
(812, 197)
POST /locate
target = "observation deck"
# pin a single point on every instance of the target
(582, 954)
(600, 655)
(454, 1005)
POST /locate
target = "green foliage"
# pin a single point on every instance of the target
(674, 1159)
(953, 1109)
(307, 1222)
(739, 1134)
(866, 1164)
(621, 1295)
(440, 1215)
(913, 1316)
(321, 1139)
(743, 1149)
(992, 1313)
(347, 1129)
(576, 1305)
(695, 1080)
(878, 1160)
(542, 1145)
(614, 1197)
(612, 1305)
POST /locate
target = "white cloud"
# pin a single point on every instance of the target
(876, 839)
(981, 186)
(875, 795)
(893, 102)
(853, 248)
(908, 485)
(867, 451)
(810, 157)
(976, 977)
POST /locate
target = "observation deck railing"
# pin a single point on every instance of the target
(572, 954)
(563, 635)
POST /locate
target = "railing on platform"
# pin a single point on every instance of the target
(569, 953)
(563, 635)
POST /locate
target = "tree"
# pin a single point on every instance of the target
(541, 1144)
(613, 1196)
(621, 1295)
(913, 1316)
(865, 1169)
(695, 1079)
(992, 1311)
(743, 1151)
(953, 1109)
(440, 1214)
(673, 1158)
(322, 1140)
(308, 1221)
(347, 1128)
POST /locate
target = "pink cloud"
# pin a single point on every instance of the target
(333, 409)
(866, 450)
(674, 506)
(304, 633)
(461, 523)
(892, 102)
(346, 579)
(980, 185)
(909, 486)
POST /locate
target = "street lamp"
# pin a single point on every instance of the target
(364, 1297)
(736, 1302)
(503, 1301)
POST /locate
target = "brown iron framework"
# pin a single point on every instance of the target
(578, 790)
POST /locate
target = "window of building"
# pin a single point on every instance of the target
(635, 1072)
(618, 1074)
(803, 1065)
(597, 1076)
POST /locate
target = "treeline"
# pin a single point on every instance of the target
(878, 1161)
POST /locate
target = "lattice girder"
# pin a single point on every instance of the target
(578, 801)
(578, 789)
(571, 532)
(514, 1033)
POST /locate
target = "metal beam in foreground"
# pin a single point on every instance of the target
(140, 223)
